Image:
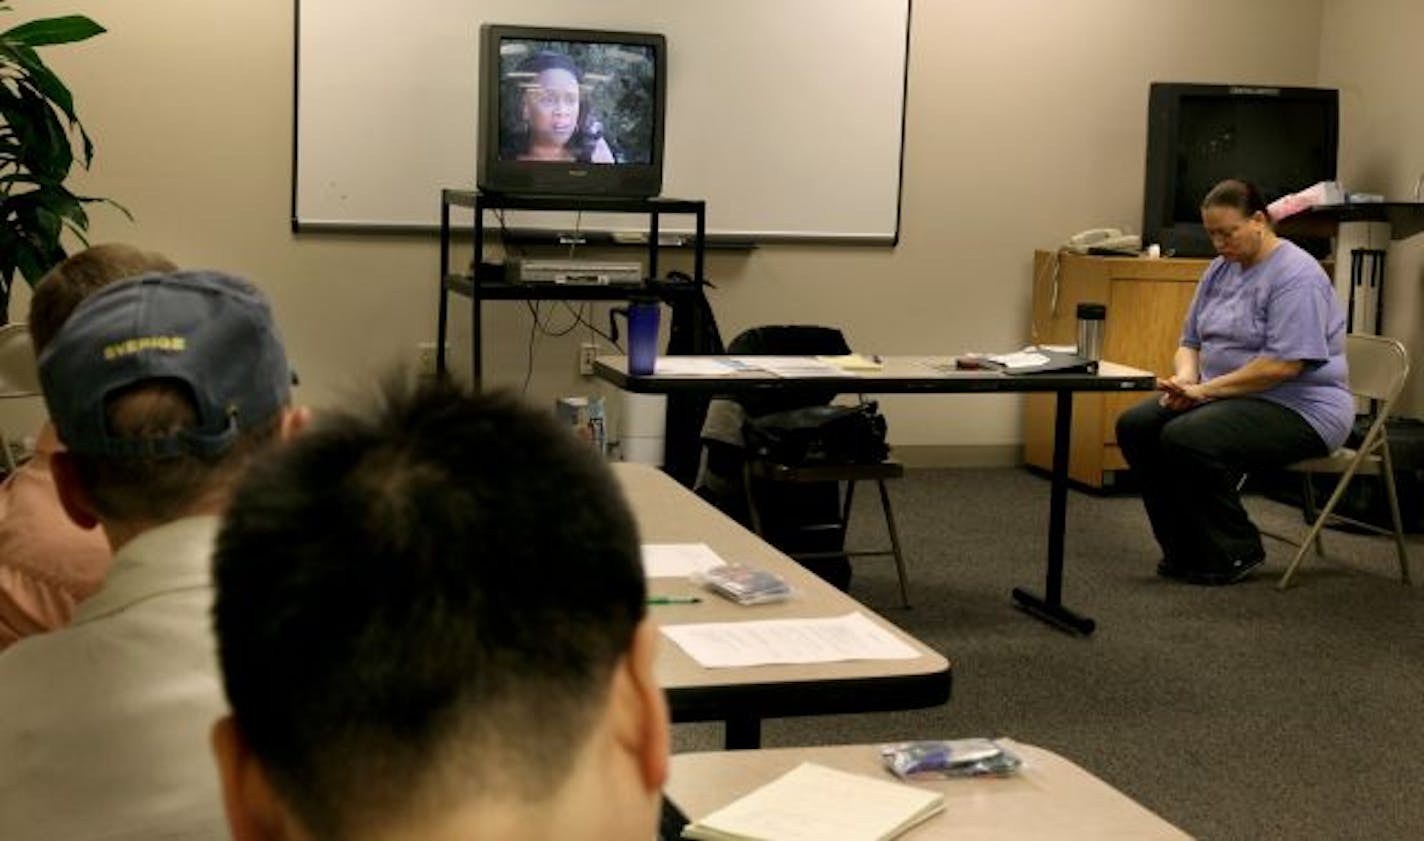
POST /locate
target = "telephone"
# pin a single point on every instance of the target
(1100, 240)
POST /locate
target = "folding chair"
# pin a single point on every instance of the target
(879, 472)
(1378, 369)
(19, 375)
(766, 473)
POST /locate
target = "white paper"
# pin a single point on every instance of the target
(725, 645)
(696, 366)
(815, 803)
(1019, 359)
(678, 560)
(793, 366)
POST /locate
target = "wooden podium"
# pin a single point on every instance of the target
(1147, 301)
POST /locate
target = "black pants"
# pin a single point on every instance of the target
(1189, 464)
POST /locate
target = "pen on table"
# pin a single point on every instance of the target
(674, 600)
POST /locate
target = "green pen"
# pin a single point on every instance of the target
(674, 600)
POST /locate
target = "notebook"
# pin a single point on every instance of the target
(814, 803)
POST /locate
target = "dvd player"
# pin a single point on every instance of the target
(586, 272)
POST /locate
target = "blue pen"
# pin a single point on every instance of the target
(674, 600)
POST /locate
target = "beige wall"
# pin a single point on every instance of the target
(1371, 50)
(1026, 122)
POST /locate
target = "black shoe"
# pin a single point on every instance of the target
(1176, 572)
(1237, 570)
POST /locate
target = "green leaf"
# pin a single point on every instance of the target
(60, 30)
(42, 79)
(40, 139)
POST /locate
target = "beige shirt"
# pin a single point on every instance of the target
(47, 563)
(104, 724)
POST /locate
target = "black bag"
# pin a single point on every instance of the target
(814, 435)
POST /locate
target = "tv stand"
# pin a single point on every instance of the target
(485, 284)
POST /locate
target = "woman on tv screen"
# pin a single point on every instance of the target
(551, 121)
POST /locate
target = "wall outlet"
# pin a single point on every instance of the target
(588, 351)
(425, 359)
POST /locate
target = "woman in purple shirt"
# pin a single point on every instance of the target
(1260, 382)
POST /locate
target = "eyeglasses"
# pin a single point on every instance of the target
(1221, 235)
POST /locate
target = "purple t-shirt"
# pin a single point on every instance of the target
(1284, 308)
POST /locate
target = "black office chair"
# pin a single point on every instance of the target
(799, 509)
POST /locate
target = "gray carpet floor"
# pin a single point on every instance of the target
(1233, 712)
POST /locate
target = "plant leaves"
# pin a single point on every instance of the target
(39, 133)
(40, 77)
(58, 30)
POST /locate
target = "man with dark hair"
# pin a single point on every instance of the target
(47, 563)
(162, 388)
(431, 624)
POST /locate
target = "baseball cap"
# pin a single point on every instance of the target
(212, 332)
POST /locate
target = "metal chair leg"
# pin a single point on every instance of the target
(845, 508)
(751, 499)
(1388, 470)
(1307, 496)
(1340, 486)
(895, 544)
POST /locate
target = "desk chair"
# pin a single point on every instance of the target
(763, 473)
(1378, 369)
(19, 375)
(879, 472)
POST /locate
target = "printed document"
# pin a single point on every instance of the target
(722, 645)
(793, 366)
(696, 366)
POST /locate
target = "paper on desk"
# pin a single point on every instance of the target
(678, 560)
(814, 803)
(696, 366)
(853, 362)
(793, 366)
(1019, 359)
(723, 645)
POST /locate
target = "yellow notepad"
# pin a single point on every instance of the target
(853, 362)
(815, 803)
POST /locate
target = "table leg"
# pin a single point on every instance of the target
(1050, 607)
(743, 732)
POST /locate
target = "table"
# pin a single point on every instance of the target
(935, 375)
(1050, 797)
(667, 512)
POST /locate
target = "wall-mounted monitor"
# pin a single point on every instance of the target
(1282, 139)
(575, 112)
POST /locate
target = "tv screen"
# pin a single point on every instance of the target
(1281, 139)
(566, 111)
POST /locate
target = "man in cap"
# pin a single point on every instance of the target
(47, 563)
(162, 388)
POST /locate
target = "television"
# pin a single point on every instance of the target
(1281, 139)
(573, 112)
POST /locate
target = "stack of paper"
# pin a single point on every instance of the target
(816, 803)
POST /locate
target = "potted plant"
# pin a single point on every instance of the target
(40, 138)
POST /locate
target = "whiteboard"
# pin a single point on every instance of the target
(786, 116)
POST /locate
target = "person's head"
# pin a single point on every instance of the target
(81, 275)
(161, 388)
(431, 623)
(551, 99)
(1234, 215)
